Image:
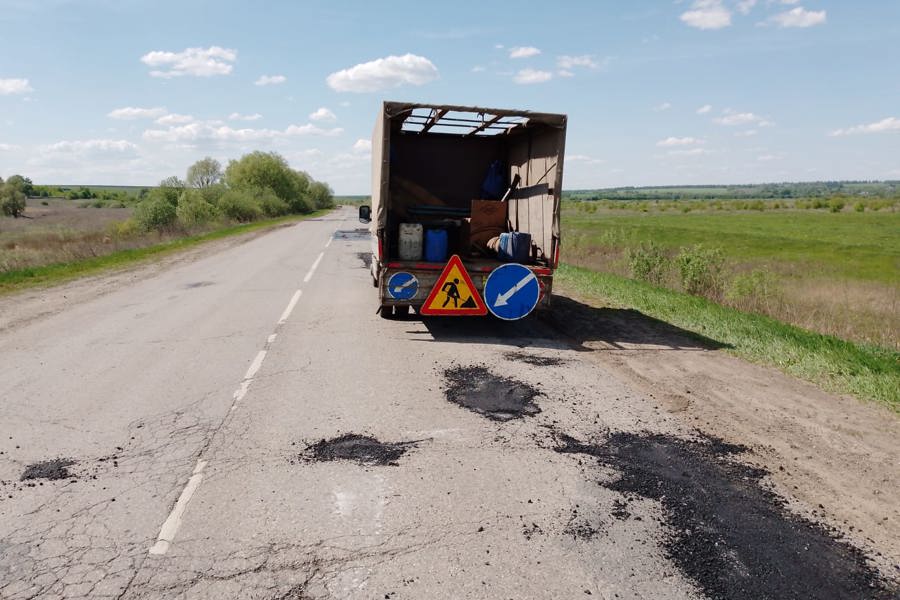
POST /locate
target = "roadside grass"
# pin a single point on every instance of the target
(19, 279)
(834, 273)
(867, 372)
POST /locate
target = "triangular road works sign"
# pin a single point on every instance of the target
(454, 294)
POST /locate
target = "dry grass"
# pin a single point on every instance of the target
(862, 311)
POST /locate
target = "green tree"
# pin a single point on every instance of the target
(204, 173)
(169, 188)
(321, 195)
(22, 184)
(269, 170)
(12, 200)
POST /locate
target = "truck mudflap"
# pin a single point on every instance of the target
(403, 283)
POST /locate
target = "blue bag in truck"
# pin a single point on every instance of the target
(515, 247)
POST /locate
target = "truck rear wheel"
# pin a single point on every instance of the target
(387, 312)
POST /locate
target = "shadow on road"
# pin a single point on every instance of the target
(569, 323)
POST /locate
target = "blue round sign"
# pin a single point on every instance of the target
(403, 286)
(511, 291)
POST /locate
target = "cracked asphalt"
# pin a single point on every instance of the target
(183, 401)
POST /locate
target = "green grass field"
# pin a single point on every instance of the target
(836, 273)
(846, 244)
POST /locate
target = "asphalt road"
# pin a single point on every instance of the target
(187, 402)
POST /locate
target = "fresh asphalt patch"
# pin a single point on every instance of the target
(358, 234)
(363, 449)
(535, 360)
(365, 258)
(733, 537)
(57, 468)
(497, 398)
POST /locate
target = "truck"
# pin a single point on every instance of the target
(485, 177)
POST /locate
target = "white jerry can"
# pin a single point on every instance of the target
(411, 241)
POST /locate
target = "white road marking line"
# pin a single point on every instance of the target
(255, 365)
(328, 243)
(312, 269)
(173, 521)
(290, 307)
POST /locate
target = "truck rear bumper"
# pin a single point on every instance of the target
(428, 273)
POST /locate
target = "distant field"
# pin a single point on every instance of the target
(836, 273)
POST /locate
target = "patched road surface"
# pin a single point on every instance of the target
(245, 426)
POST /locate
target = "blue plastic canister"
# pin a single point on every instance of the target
(435, 245)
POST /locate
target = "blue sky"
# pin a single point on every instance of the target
(657, 92)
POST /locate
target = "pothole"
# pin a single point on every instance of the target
(362, 449)
(58, 468)
(497, 398)
(198, 284)
(534, 360)
(726, 531)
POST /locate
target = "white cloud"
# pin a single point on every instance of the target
(174, 119)
(362, 146)
(583, 158)
(676, 141)
(704, 109)
(747, 133)
(323, 114)
(884, 125)
(270, 80)
(130, 113)
(769, 157)
(526, 76)
(731, 118)
(799, 17)
(8, 147)
(523, 52)
(745, 6)
(199, 62)
(691, 152)
(707, 14)
(93, 148)
(564, 73)
(477, 69)
(239, 117)
(14, 86)
(570, 62)
(213, 131)
(662, 107)
(384, 73)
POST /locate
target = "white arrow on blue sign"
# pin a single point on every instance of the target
(511, 291)
(403, 286)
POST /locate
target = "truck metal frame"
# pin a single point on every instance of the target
(439, 154)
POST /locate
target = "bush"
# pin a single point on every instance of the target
(859, 207)
(156, 212)
(12, 201)
(238, 205)
(125, 229)
(700, 269)
(836, 205)
(647, 263)
(756, 290)
(272, 205)
(193, 210)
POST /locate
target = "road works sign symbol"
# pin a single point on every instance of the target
(454, 294)
(511, 291)
(402, 286)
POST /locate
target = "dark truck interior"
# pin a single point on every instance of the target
(476, 174)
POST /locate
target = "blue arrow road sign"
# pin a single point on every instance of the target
(511, 291)
(403, 286)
